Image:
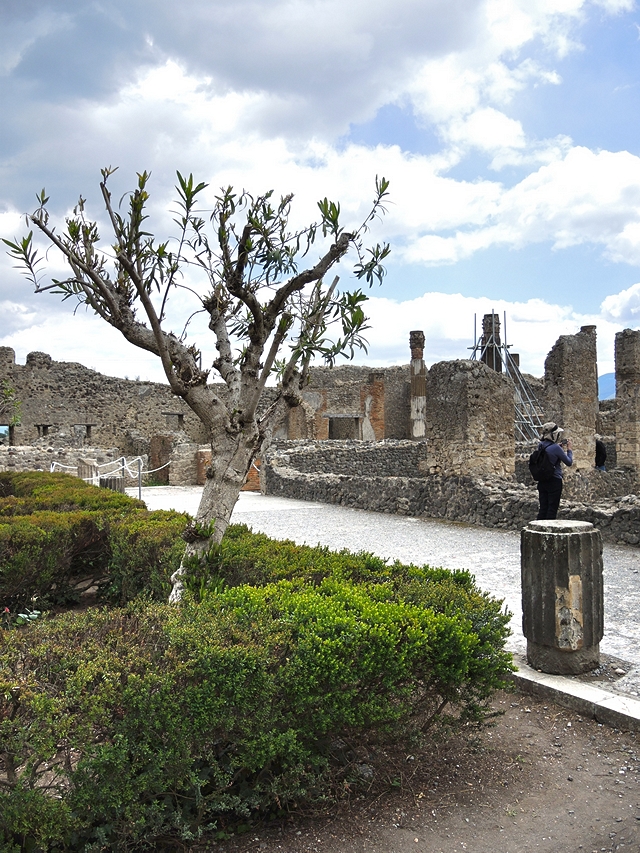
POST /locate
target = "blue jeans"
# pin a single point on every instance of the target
(549, 492)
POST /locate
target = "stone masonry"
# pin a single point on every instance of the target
(571, 392)
(627, 415)
(389, 477)
(81, 405)
(470, 420)
(350, 402)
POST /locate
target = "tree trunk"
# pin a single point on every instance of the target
(230, 462)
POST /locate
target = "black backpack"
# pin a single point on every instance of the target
(540, 465)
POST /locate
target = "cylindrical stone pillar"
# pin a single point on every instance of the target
(562, 600)
(418, 385)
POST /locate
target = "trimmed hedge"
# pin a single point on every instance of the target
(120, 728)
(57, 532)
(30, 491)
(123, 727)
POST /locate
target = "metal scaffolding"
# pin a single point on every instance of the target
(495, 354)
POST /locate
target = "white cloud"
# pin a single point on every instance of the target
(87, 340)
(623, 307)
(448, 323)
(256, 95)
(15, 315)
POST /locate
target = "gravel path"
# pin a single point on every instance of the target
(493, 556)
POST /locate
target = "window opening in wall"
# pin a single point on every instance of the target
(174, 420)
(43, 429)
(342, 427)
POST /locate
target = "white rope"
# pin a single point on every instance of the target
(119, 466)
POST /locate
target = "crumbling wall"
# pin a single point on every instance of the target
(183, 467)
(628, 399)
(387, 458)
(64, 401)
(348, 402)
(606, 420)
(571, 392)
(489, 501)
(470, 414)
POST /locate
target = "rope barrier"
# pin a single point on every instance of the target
(119, 465)
(118, 468)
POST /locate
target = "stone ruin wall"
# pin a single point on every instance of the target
(361, 475)
(74, 405)
(350, 402)
(628, 399)
(469, 420)
(571, 393)
(464, 409)
(64, 459)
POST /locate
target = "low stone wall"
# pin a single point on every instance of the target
(30, 458)
(589, 485)
(388, 458)
(488, 502)
(87, 462)
(491, 501)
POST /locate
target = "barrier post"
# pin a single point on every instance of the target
(139, 478)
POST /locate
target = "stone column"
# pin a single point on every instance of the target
(562, 600)
(418, 386)
(571, 393)
(113, 482)
(628, 399)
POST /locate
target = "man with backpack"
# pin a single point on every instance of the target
(545, 465)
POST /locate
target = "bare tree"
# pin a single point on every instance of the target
(266, 312)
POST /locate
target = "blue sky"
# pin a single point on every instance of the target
(508, 130)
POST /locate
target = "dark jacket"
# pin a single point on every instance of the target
(557, 456)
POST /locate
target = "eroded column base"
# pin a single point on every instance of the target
(558, 662)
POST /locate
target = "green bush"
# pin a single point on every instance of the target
(30, 491)
(57, 531)
(145, 550)
(122, 727)
(41, 554)
(163, 721)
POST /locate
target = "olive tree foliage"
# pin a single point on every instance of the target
(263, 292)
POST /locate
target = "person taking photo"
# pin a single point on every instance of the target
(559, 452)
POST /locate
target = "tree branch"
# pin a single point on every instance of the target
(298, 282)
(72, 257)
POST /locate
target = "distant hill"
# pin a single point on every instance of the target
(607, 386)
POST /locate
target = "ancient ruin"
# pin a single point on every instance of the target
(448, 441)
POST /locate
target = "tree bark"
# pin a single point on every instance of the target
(231, 459)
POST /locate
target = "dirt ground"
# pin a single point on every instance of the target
(542, 779)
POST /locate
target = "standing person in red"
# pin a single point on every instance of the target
(549, 491)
